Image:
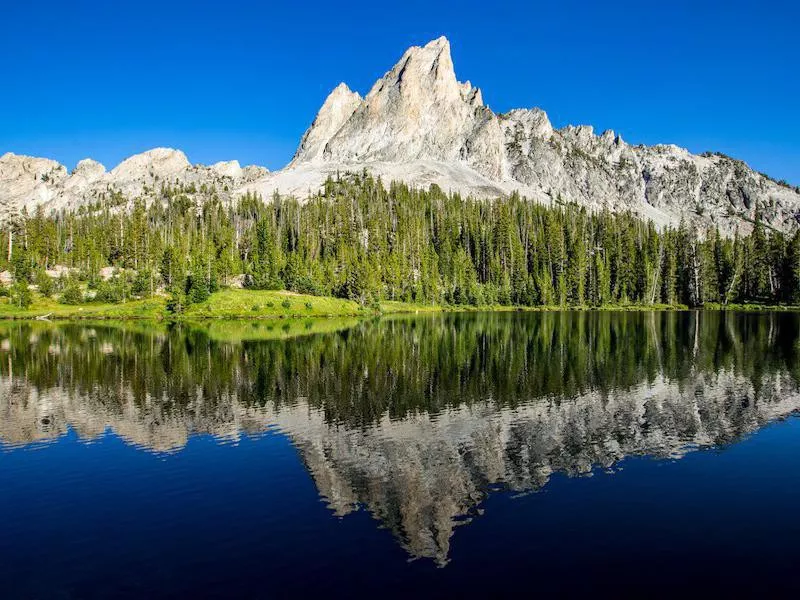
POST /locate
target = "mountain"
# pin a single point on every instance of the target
(27, 182)
(420, 116)
(419, 124)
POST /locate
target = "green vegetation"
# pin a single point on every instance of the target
(261, 304)
(237, 303)
(148, 308)
(223, 304)
(359, 248)
(362, 369)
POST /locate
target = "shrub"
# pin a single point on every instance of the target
(141, 284)
(197, 289)
(72, 293)
(309, 306)
(306, 285)
(46, 284)
(270, 305)
(255, 308)
(110, 291)
(176, 303)
(22, 295)
(286, 304)
(4, 291)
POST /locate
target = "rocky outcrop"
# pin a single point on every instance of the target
(27, 182)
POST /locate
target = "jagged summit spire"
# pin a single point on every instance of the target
(417, 111)
(340, 90)
(440, 42)
(431, 63)
(435, 49)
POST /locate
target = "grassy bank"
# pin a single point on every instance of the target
(263, 304)
(267, 303)
(241, 304)
(751, 307)
(150, 308)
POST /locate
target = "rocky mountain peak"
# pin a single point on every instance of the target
(338, 107)
(429, 64)
(417, 111)
(227, 168)
(89, 168)
(13, 166)
(161, 162)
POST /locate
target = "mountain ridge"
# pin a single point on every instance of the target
(420, 124)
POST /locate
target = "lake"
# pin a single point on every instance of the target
(640, 453)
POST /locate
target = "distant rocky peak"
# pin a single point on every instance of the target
(17, 165)
(227, 168)
(163, 162)
(341, 94)
(89, 167)
(340, 104)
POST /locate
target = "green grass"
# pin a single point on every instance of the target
(242, 304)
(751, 307)
(135, 309)
(393, 307)
(268, 304)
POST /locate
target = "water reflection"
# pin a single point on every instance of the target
(414, 419)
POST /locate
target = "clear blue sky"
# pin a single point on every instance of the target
(227, 80)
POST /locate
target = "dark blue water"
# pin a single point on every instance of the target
(644, 454)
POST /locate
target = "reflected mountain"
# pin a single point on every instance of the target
(415, 419)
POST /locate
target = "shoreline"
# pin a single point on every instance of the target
(260, 305)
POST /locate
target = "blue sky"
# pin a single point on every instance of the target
(244, 80)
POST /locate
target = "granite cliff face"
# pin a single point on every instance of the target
(420, 125)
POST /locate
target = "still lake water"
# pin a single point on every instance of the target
(636, 454)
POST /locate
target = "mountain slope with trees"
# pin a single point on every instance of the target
(360, 240)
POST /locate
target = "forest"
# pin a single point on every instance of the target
(361, 240)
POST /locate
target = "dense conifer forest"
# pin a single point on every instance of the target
(357, 239)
